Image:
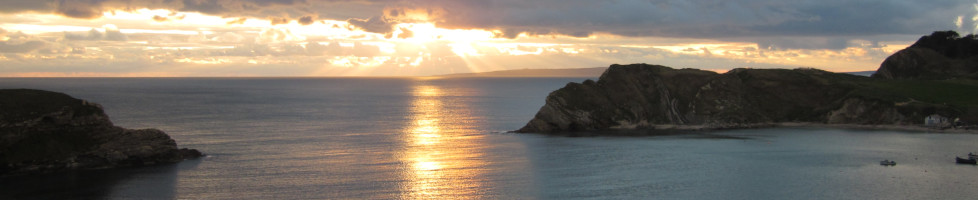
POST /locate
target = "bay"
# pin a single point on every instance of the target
(411, 138)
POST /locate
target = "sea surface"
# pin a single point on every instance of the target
(417, 138)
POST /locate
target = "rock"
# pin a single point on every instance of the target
(641, 96)
(941, 55)
(862, 111)
(42, 131)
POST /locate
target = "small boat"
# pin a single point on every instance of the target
(888, 163)
(966, 161)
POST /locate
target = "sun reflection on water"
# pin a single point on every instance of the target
(442, 153)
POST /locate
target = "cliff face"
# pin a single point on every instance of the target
(641, 96)
(42, 131)
(941, 55)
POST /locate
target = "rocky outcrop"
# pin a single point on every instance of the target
(941, 55)
(42, 131)
(641, 96)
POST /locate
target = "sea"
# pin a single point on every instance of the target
(447, 138)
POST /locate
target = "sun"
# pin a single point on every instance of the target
(428, 32)
(461, 41)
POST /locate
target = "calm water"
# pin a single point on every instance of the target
(360, 138)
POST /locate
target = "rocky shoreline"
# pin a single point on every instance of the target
(655, 97)
(911, 128)
(45, 132)
(670, 129)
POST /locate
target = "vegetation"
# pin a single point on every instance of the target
(644, 96)
(957, 92)
(950, 44)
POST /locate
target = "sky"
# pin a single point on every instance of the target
(218, 38)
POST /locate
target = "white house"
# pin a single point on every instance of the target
(935, 120)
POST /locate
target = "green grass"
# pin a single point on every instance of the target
(960, 92)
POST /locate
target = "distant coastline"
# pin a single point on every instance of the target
(534, 73)
(893, 127)
(862, 73)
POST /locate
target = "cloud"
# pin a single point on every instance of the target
(786, 33)
(159, 18)
(276, 35)
(90, 35)
(785, 43)
(18, 42)
(306, 20)
(80, 8)
(247, 50)
(206, 6)
(237, 21)
(229, 37)
(12, 6)
(111, 33)
(278, 20)
(658, 18)
(171, 16)
(405, 33)
(377, 24)
(722, 20)
(316, 49)
(364, 50)
(23, 47)
(699, 19)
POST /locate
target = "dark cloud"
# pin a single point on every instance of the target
(784, 43)
(375, 24)
(12, 6)
(701, 19)
(278, 20)
(206, 6)
(829, 22)
(306, 20)
(664, 18)
(86, 9)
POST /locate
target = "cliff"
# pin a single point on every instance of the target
(941, 55)
(641, 96)
(42, 131)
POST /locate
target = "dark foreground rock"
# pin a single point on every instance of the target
(641, 96)
(42, 131)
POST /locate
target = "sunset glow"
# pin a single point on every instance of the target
(413, 39)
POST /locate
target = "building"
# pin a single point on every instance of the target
(936, 120)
